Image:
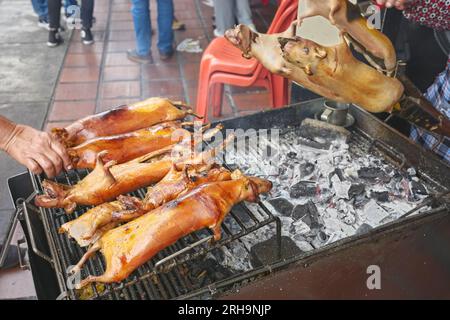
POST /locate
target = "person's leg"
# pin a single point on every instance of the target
(224, 13)
(165, 31)
(54, 16)
(87, 10)
(40, 8)
(68, 3)
(54, 13)
(140, 10)
(243, 12)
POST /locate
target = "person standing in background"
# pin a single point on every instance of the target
(143, 30)
(54, 16)
(40, 7)
(228, 12)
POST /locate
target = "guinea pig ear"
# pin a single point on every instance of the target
(320, 52)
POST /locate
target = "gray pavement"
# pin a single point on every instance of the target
(28, 73)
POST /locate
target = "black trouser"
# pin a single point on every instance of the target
(54, 13)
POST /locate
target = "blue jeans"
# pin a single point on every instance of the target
(142, 25)
(40, 7)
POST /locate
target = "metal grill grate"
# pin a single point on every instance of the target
(173, 272)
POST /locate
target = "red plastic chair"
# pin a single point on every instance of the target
(222, 63)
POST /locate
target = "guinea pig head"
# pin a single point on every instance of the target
(303, 53)
(241, 37)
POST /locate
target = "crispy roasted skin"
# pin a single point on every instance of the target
(127, 146)
(347, 17)
(108, 181)
(123, 119)
(127, 247)
(349, 79)
(87, 228)
(332, 72)
(104, 183)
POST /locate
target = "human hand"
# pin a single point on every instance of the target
(38, 151)
(398, 4)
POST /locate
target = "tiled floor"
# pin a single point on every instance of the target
(99, 77)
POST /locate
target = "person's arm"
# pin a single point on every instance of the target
(399, 4)
(37, 150)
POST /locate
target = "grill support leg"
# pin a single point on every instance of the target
(278, 228)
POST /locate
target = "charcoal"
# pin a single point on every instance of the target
(282, 205)
(311, 217)
(373, 174)
(292, 155)
(356, 190)
(298, 212)
(382, 196)
(213, 267)
(360, 200)
(303, 189)
(369, 173)
(313, 129)
(266, 252)
(418, 188)
(306, 169)
(364, 228)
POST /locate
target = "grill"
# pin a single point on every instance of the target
(192, 267)
(174, 271)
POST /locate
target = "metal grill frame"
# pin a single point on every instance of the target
(150, 280)
(392, 145)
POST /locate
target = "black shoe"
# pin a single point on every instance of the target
(133, 56)
(54, 38)
(164, 56)
(86, 36)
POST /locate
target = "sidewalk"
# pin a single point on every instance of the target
(99, 77)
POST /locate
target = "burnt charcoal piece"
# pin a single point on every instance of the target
(266, 252)
(356, 190)
(311, 216)
(299, 212)
(364, 228)
(306, 169)
(373, 174)
(382, 196)
(418, 188)
(313, 129)
(303, 189)
(291, 155)
(282, 205)
(360, 200)
(213, 267)
(370, 173)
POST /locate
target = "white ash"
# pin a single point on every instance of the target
(332, 172)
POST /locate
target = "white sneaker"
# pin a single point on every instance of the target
(43, 23)
(218, 34)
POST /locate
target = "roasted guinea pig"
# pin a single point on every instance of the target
(127, 247)
(127, 146)
(346, 16)
(348, 79)
(332, 72)
(108, 181)
(88, 228)
(123, 119)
